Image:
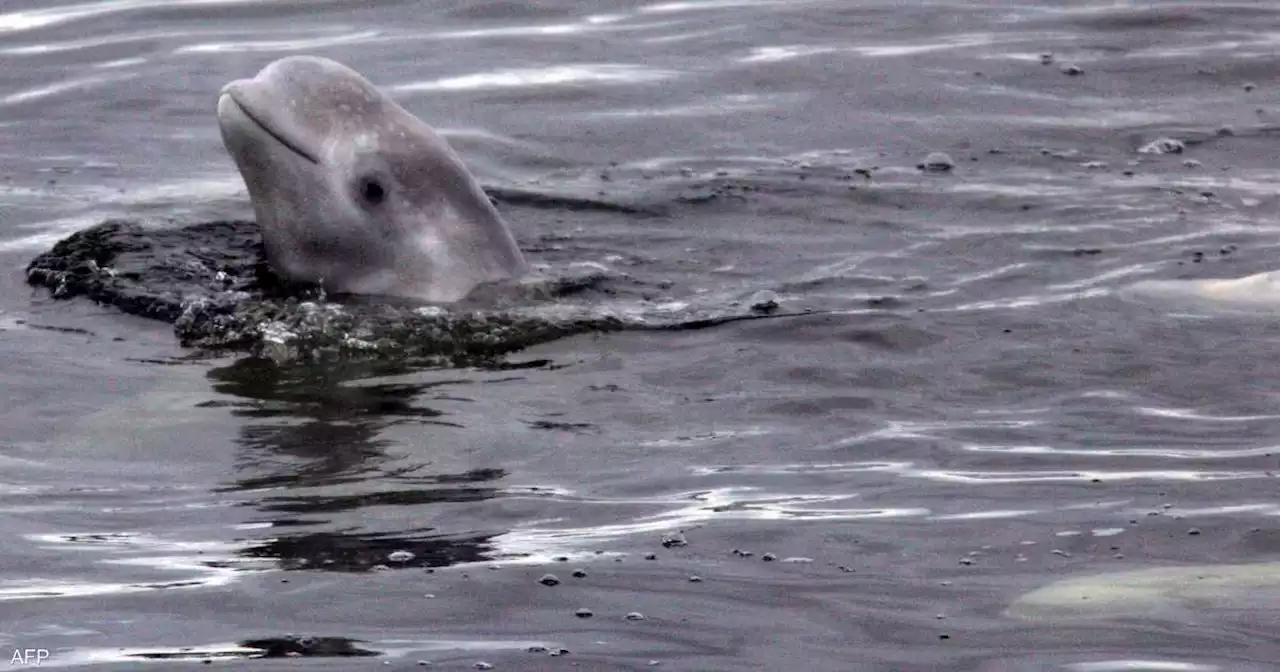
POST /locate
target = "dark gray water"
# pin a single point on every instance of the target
(980, 415)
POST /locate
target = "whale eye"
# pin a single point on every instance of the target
(372, 191)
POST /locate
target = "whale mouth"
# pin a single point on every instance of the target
(227, 97)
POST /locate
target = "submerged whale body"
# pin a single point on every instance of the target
(211, 280)
(1154, 593)
(355, 193)
(1251, 293)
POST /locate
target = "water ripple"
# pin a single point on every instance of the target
(773, 54)
(297, 44)
(203, 563)
(536, 543)
(95, 42)
(1170, 453)
(908, 469)
(601, 73)
(43, 18)
(593, 24)
(1143, 665)
(1191, 414)
(725, 105)
(76, 84)
(1056, 476)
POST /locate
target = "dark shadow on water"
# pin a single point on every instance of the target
(334, 504)
(310, 427)
(313, 434)
(281, 647)
(343, 552)
(289, 646)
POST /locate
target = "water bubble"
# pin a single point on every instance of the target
(549, 580)
(401, 556)
(584, 613)
(635, 616)
(579, 573)
(937, 162)
(674, 540)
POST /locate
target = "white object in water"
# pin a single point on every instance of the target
(1252, 292)
(1157, 592)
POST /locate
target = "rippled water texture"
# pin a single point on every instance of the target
(958, 466)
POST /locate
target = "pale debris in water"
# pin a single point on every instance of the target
(937, 162)
(1163, 146)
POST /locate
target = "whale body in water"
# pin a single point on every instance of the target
(355, 193)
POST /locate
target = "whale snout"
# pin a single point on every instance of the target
(226, 107)
(230, 89)
(237, 115)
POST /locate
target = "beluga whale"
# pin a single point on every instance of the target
(1248, 294)
(355, 193)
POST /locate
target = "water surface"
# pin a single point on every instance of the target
(978, 415)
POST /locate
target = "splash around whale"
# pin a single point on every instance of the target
(355, 193)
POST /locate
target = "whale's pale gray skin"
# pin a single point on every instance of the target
(1156, 593)
(1248, 294)
(353, 191)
